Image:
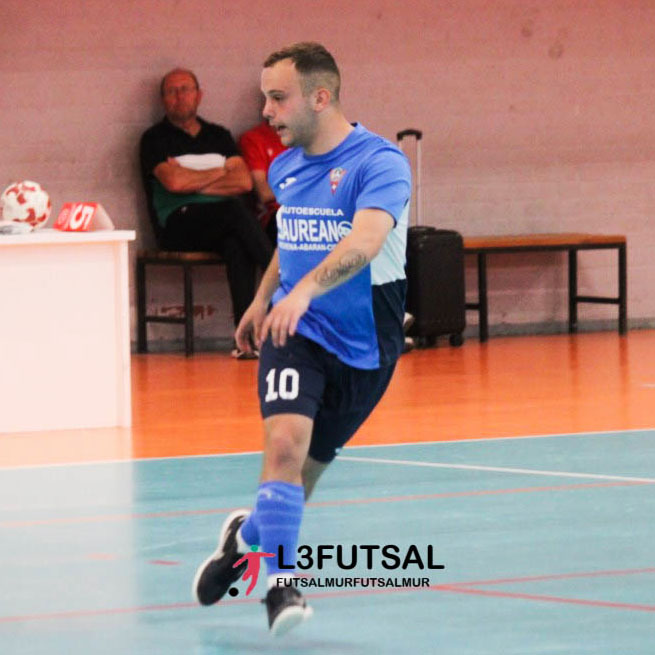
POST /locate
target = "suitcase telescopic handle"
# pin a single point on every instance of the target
(409, 132)
(417, 178)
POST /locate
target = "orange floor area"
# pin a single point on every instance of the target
(505, 387)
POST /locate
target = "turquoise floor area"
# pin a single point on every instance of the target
(547, 545)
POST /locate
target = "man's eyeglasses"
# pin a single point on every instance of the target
(181, 90)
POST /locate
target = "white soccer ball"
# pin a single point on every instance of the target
(26, 202)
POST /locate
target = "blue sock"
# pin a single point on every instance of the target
(275, 522)
(249, 531)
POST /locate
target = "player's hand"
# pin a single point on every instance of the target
(282, 320)
(249, 328)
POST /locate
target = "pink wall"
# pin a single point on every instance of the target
(538, 115)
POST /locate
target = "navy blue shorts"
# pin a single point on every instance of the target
(303, 378)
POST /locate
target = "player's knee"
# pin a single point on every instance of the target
(286, 447)
(281, 449)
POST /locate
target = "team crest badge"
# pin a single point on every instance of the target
(336, 175)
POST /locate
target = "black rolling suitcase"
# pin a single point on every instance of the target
(435, 273)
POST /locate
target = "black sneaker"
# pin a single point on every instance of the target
(237, 353)
(408, 345)
(216, 574)
(286, 609)
(408, 321)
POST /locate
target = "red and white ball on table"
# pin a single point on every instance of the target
(24, 206)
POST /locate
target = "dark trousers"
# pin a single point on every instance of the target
(230, 230)
(271, 231)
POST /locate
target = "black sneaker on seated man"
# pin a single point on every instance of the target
(408, 321)
(237, 353)
(286, 608)
(217, 573)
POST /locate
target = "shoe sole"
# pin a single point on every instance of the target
(408, 322)
(289, 618)
(217, 553)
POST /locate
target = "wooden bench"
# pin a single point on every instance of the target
(482, 246)
(184, 260)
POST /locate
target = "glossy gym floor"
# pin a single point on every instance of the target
(526, 463)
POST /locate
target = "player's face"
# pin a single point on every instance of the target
(181, 97)
(289, 112)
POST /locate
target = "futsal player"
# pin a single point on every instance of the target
(327, 316)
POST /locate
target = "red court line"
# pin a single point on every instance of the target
(455, 587)
(329, 503)
(547, 599)
(560, 576)
(164, 562)
(80, 614)
(483, 492)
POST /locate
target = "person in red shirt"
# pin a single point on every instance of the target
(259, 147)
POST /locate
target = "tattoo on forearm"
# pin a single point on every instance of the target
(348, 265)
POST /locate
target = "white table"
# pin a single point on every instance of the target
(64, 330)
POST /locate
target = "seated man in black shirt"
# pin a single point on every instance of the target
(194, 177)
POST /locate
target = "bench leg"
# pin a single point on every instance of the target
(623, 290)
(483, 309)
(573, 291)
(141, 336)
(188, 310)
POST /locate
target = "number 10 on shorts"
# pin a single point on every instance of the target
(284, 386)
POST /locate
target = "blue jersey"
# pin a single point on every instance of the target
(360, 321)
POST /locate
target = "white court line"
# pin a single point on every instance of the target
(441, 442)
(497, 469)
(464, 440)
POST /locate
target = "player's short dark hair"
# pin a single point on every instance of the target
(178, 70)
(315, 64)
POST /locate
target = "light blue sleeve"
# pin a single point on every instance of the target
(386, 183)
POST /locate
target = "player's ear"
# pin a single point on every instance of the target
(322, 98)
